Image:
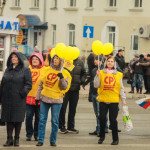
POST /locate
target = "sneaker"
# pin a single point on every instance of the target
(39, 144)
(53, 144)
(73, 130)
(63, 130)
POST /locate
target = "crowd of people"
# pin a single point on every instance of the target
(30, 92)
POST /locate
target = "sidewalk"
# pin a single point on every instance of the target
(127, 88)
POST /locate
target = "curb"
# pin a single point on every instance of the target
(128, 96)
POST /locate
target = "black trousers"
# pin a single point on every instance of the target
(11, 126)
(72, 97)
(113, 113)
(147, 82)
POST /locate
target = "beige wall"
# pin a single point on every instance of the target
(126, 26)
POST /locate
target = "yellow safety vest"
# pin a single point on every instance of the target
(109, 91)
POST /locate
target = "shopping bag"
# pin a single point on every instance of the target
(126, 119)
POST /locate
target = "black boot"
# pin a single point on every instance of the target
(100, 141)
(16, 141)
(140, 90)
(9, 141)
(132, 90)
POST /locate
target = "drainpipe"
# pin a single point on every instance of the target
(44, 20)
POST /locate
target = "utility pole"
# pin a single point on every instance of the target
(2, 8)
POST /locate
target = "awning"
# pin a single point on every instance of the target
(31, 21)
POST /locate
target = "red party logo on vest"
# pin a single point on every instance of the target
(51, 80)
(109, 83)
(35, 75)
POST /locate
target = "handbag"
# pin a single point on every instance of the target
(126, 119)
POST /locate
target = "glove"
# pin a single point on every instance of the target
(37, 101)
(60, 75)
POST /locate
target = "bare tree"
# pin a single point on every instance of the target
(2, 8)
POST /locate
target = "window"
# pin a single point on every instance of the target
(134, 42)
(72, 3)
(90, 3)
(36, 3)
(111, 35)
(112, 3)
(16, 3)
(138, 3)
(53, 34)
(71, 34)
(54, 3)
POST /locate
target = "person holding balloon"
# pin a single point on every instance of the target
(54, 85)
(110, 91)
(72, 96)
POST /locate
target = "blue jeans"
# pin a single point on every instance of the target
(55, 110)
(138, 79)
(96, 111)
(32, 110)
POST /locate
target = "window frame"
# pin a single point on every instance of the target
(73, 3)
(35, 3)
(112, 34)
(138, 3)
(132, 42)
(54, 3)
(15, 3)
(53, 34)
(89, 3)
(114, 3)
(71, 34)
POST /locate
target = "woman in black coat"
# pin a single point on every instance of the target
(16, 83)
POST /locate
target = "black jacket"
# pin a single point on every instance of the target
(138, 69)
(121, 62)
(90, 62)
(78, 75)
(16, 83)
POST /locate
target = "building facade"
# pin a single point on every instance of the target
(124, 23)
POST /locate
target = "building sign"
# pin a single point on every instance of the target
(23, 21)
(19, 37)
(9, 25)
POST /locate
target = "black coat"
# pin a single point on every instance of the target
(121, 62)
(78, 75)
(16, 83)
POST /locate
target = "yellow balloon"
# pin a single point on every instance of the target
(107, 49)
(68, 53)
(97, 47)
(53, 52)
(76, 53)
(59, 49)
